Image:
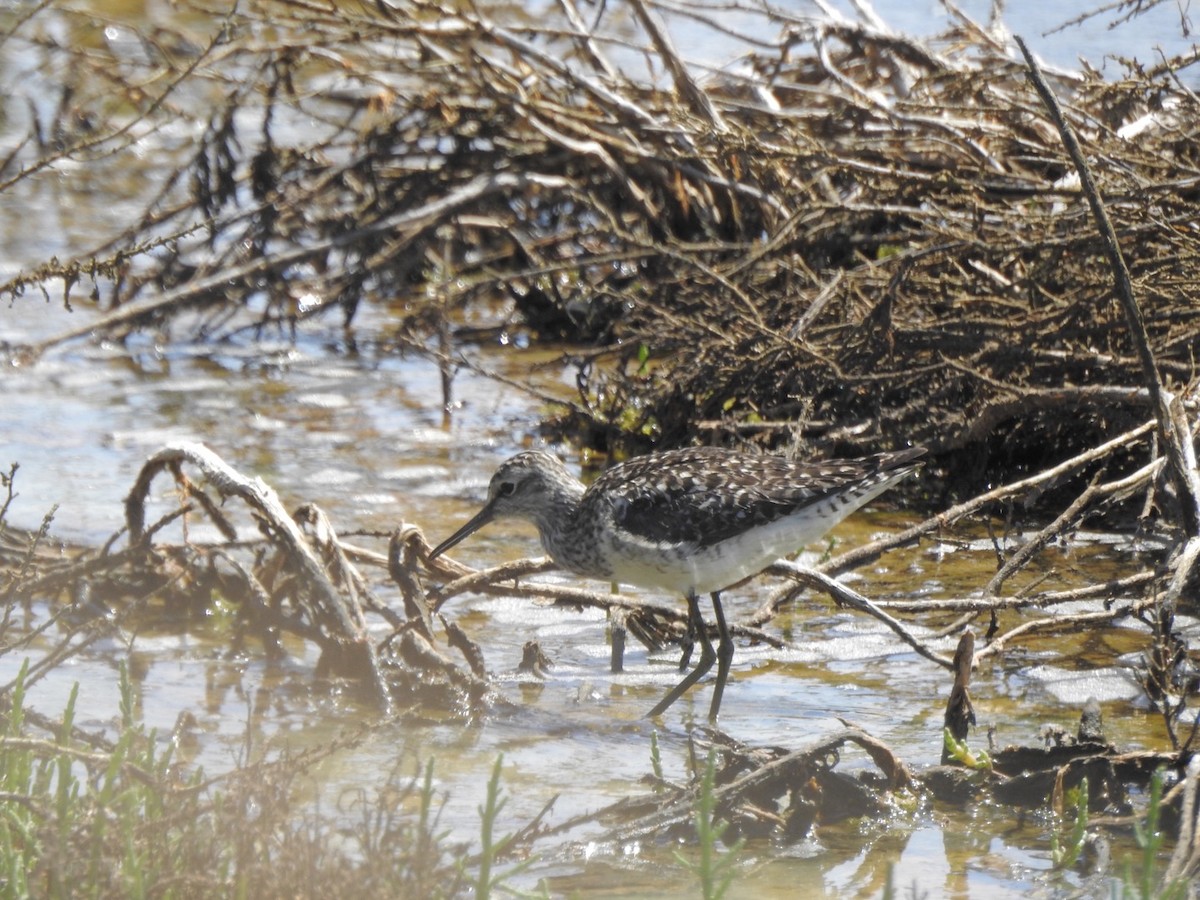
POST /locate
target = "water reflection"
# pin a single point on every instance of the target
(353, 436)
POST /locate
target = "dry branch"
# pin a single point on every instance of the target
(845, 596)
(800, 784)
(1173, 429)
(340, 614)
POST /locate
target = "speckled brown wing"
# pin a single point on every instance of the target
(704, 495)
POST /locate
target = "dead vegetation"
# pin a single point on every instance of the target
(852, 238)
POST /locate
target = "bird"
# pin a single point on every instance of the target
(693, 521)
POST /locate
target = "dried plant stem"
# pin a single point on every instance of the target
(1178, 440)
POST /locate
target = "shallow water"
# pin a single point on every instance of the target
(578, 735)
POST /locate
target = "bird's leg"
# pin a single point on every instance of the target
(707, 657)
(724, 656)
(694, 627)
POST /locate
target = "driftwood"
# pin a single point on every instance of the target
(297, 577)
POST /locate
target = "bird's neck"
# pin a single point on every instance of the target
(558, 523)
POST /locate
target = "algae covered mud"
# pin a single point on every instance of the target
(325, 268)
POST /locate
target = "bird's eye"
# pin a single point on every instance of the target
(506, 488)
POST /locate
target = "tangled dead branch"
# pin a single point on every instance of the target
(854, 239)
(297, 577)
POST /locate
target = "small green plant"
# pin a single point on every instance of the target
(493, 849)
(80, 818)
(1149, 838)
(643, 358)
(404, 853)
(656, 762)
(713, 869)
(71, 813)
(1065, 854)
(963, 755)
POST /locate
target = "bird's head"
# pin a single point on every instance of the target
(530, 485)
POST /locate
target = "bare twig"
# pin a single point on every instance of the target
(1183, 463)
(847, 597)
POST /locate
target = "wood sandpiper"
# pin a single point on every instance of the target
(693, 521)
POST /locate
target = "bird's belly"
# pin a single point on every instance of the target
(687, 568)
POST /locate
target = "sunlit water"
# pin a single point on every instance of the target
(363, 438)
(361, 434)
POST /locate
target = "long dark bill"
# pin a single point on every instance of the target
(480, 519)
